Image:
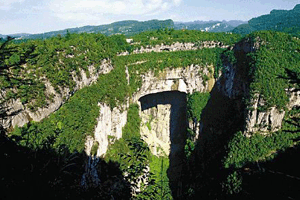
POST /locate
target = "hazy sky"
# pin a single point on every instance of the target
(37, 16)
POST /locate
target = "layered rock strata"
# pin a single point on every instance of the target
(19, 114)
(177, 46)
(233, 84)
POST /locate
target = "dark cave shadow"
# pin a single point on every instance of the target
(31, 169)
(220, 119)
(178, 127)
(27, 173)
(276, 178)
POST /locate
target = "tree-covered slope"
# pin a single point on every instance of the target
(273, 71)
(222, 164)
(209, 26)
(267, 67)
(232, 164)
(277, 20)
(31, 64)
(51, 62)
(128, 27)
(170, 36)
(64, 132)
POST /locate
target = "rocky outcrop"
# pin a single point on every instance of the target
(233, 84)
(187, 80)
(159, 48)
(177, 46)
(258, 120)
(109, 127)
(164, 122)
(263, 121)
(155, 128)
(19, 114)
(157, 118)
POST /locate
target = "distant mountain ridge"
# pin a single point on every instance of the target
(209, 26)
(278, 20)
(132, 27)
(17, 35)
(127, 27)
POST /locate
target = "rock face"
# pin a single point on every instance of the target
(234, 85)
(107, 130)
(155, 128)
(109, 127)
(182, 80)
(164, 122)
(90, 177)
(177, 46)
(22, 115)
(270, 119)
(164, 126)
(262, 121)
(187, 80)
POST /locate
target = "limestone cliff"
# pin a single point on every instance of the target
(187, 80)
(177, 46)
(155, 127)
(235, 83)
(164, 122)
(109, 128)
(19, 114)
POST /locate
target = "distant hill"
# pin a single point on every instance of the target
(209, 26)
(129, 27)
(278, 20)
(17, 35)
(132, 27)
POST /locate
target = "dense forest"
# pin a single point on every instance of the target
(48, 158)
(27, 65)
(278, 20)
(269, 160)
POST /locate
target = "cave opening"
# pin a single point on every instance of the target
(164, 128)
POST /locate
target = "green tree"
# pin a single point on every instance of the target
(136, 167)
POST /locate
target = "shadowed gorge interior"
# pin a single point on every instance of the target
(171, 107)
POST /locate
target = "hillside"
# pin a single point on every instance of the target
(191, 113)
(132, 27)
(277, 20)
(127, 27)
(209, 26)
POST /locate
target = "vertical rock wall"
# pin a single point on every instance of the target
(234, 84)
(155, 128)
(109, 126)
(164, 121)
